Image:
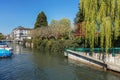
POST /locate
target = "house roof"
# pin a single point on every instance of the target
(21, 28)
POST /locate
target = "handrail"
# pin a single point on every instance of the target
(112, 51)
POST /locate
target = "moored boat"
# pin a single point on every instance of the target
(5, 51)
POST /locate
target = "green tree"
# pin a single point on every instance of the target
(53, 23)
(65, 22)
(79, 17)
(62, 22)
(41, 20)
(62, 27)
(1, 36)
(102, 16)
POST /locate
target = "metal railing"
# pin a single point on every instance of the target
(112, 51)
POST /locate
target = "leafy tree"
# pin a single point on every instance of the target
(102, 16)
(79, 17)
(78, 29)
(66, 27)
(57, 29)
(61, 27)
(65, 22)
(1, 36)
(53, 23)
(41, 20)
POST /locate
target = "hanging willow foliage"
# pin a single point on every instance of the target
(102, 16)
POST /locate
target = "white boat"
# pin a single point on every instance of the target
(5, 50)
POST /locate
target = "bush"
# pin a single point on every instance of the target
(37, 43)
(28, 40)
(51, 44)
(57, 46)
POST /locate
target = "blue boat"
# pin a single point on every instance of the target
(5, 51)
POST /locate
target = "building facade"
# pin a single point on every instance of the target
(20, 33)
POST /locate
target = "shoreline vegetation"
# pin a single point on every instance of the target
(55, 37)
(94, 27)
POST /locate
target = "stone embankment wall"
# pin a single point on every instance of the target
(97, 59)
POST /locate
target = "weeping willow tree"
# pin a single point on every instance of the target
(102, 17)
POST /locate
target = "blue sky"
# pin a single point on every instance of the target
(15, 13)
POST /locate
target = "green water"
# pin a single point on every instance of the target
(28, 64)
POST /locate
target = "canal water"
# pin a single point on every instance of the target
(28, 64)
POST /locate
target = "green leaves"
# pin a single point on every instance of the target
(1, 36)
(41, 20)
(79, 17)
(102, 14)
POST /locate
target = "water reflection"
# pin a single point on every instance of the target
(59, 68)
(54, 67)
(19, 49)
(84, 72)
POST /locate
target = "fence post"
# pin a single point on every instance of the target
(113, 52)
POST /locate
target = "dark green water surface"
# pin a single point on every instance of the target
(28, 64)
